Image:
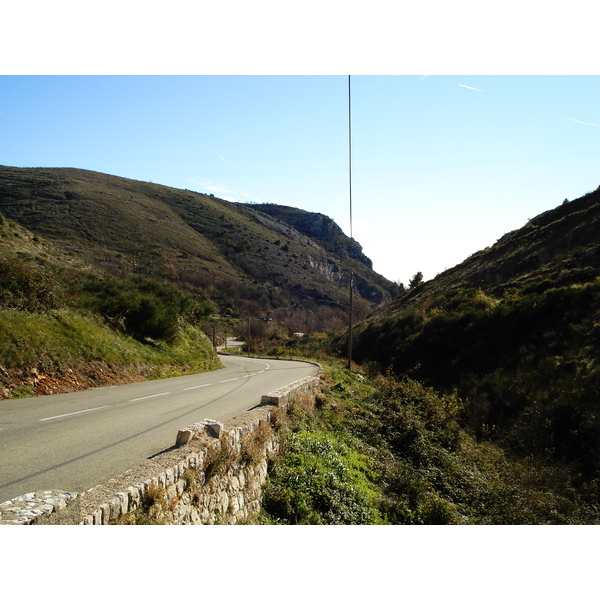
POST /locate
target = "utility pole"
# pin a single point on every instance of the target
(351, 235)
(350, 326)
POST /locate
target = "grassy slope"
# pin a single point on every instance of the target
(200, 241)
(561, 246)
(61, 351)
(48, 345)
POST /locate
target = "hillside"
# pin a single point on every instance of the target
(514, 332)
(231, 254)
(561, 246)
(65, 325)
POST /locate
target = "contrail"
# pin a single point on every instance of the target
(471, 88)
(577, 121)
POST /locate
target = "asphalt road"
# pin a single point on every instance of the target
(75, 441)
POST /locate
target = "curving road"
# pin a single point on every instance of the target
(75, 441)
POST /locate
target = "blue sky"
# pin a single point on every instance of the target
(442, 166)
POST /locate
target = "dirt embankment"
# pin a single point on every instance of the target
(33, 382)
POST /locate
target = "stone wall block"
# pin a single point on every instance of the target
(169, 477)
(105, 508)
(233, 436)
(234, 485)
(115, 508)
(241, 500)
(124, 502)
(135, 495)
(223, 503)
(233, 505)
(183, 437)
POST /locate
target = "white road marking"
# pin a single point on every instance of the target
(74, 413)
(153, 396)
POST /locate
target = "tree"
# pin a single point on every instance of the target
(416, 280)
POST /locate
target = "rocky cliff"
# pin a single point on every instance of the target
(321, 228)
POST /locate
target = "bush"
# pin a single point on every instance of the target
(144, 308)
(320, 481)
(26, 285)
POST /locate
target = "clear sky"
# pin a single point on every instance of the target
(442, 166)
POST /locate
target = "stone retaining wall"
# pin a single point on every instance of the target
(215, 477)
(220, 482)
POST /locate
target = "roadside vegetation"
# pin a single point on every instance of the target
(82, 328)
(378, 449)
(526, 367)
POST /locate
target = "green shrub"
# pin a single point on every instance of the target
(320, 481)
(26, 285)
(430, 471)
(142, 307)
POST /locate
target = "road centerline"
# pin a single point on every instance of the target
(152, 396)
(78, 412)
(197, 386)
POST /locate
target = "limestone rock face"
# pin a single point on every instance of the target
(321, 228)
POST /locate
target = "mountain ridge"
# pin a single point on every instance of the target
(197, 240)
(560, 244)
